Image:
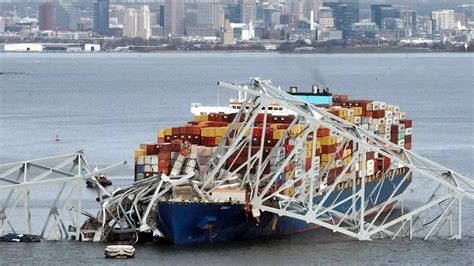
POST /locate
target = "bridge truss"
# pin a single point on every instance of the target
(34, 182)
(430, 203)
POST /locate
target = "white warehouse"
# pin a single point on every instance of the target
(21, 47)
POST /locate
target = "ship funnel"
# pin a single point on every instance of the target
(315, 89)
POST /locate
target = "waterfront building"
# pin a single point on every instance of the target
(326, 19)
(344, 13)
(209, 13)
(376, 13)
(100, 14)
(312, 5)
(248, 11)
(66, 16)
(364, 29)
(137, 23)
(174, 17)
(46, 16)
(444, 19)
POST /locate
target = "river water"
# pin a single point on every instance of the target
(106, 104)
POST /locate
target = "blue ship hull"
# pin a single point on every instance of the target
(188, 223)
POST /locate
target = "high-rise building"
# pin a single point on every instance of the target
(66, 16)
(209, 14)
(344, 14)
(409, 19)
(248, 9)
(138, 23)
(100, 14)
(444, 19)
(312, 5)
(174, 17)
(46, 16)
(326, 20)
(376, 13)
(234, 13)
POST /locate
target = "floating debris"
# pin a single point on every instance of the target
(119, 251)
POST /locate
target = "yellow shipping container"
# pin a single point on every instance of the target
(296, 130)
(289, 192)
(329, 140)
(347, 159)
(161, 133)
(219, 132)
(201, 118)
(326, 157)
(218, 140)
(357, 111)
(140, 153)
(279, 133)
(325, 163)
(168, 131)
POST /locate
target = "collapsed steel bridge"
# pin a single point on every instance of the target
(431, 205)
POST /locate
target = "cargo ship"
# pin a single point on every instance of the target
(184, 216)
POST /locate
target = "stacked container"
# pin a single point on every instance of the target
(187, 148)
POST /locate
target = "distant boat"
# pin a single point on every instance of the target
(57, 137)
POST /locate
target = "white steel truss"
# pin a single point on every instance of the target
(426, 205)
(64, 175)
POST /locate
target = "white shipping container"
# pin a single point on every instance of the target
(141, 160)
(339, 163)
(408, 131)
(147, 168)
(382, 106)
(396, 120)
(401, 127)
(403, 115)
(401, 142)
(370, 170)
(389, 121)
(370, 163)
(139, 177)
(356, 119)
(375, 106)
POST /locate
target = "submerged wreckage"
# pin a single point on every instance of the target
(271, 163)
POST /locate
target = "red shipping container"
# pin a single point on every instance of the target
(386, 163)
(323, 132)
(165, 147)
(288, 149)
(407, 122)
(164, 155)
(152, 149)
(378, 114)
(408, 146)
(408, 139)
(162, 163)
(256, 141)
(370, 155)
(327, 149)
(260, 118)
(175, 130)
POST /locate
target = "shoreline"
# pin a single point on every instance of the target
(316, 51)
